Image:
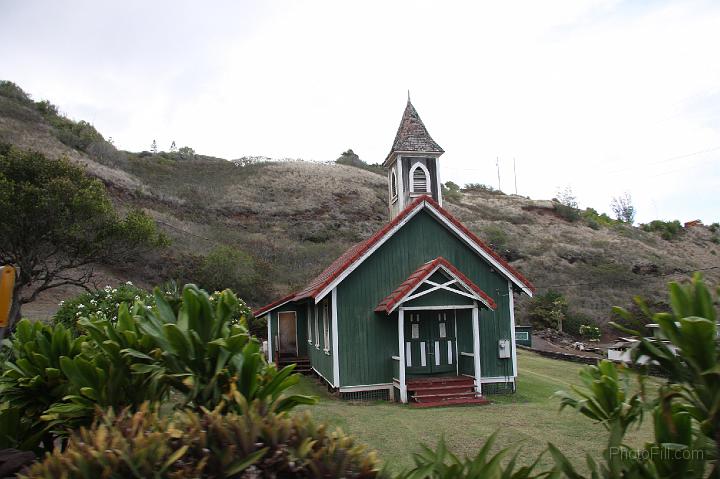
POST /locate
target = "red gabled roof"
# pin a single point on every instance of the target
(347, 259)
(420, 275)
(273, 305)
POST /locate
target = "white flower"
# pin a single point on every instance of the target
(137, 298)
(61, 303)
(81, 306)
(128, 283)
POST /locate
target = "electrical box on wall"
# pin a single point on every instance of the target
(504, 348)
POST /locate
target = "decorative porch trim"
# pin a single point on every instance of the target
(335, 335)
(407, 290)
(435, 308)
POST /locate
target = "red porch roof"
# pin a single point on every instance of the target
(420, 275)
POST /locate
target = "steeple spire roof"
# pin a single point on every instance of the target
(412, 134)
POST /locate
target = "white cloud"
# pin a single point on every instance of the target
(588, 94)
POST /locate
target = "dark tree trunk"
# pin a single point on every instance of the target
(15, 311)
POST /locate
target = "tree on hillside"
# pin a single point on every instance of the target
(623, 208)
(57, 223)
(153, 147)
(186, 153)
(567, 206)
(350, 158)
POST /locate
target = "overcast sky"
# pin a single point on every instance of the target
(603, 96)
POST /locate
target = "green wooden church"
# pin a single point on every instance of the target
(420, 312)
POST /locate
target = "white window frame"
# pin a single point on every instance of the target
(309, 324)
(317, 327)
(428, 183)
(326, 325)
(393, 183)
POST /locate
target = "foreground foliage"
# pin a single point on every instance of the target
(53, 382)
(686, 410)
(254, 442)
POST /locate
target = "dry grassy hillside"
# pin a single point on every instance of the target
(295, 217)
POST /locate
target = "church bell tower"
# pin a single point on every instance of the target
(412, 165)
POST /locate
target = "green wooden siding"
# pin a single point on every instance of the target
(465, 341)
(367, 340)
(320, 359)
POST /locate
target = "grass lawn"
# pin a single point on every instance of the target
(529, 418)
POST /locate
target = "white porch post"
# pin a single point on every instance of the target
(476, 348)
(269, 341)
(512, 329)
(401, 354)
(335, 335)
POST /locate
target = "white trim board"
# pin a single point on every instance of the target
(479, 250)
(368, 253)
(511, 307)
(321, 375)
(270, 341)
(334, 332)
(366, 387)
(409, 296)
(434, 308)
(463, 237)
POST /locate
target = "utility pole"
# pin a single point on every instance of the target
(515, 173)
(497, 164)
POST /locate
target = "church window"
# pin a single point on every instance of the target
(393, 185)
(419, 179)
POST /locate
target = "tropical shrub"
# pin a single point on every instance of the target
(574, 321)
(239, 314)
(254, 443)
(595, 220)
(442, 464)
(668, 229)
(100, 304)
(547, 310)
(32, 381)
(685, 412)
(199, 353)
(54, 382)
(590, 332)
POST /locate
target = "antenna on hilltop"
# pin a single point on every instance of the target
(497, 164)
(408, 95)
(515, 173)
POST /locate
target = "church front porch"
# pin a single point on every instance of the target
(434, 391)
